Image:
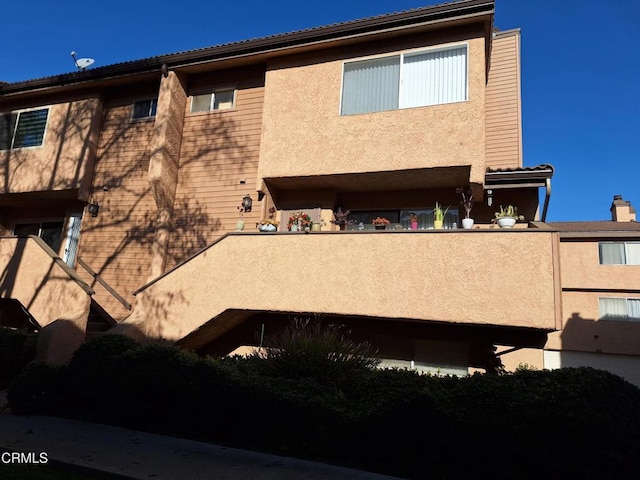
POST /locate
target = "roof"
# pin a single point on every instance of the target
(312, 36)
(597, 226)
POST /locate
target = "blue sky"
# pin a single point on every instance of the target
(580, 68)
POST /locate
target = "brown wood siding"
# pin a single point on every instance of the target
(219, 149)
(503, 116)
(117, 243)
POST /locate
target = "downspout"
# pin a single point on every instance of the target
(547, 197)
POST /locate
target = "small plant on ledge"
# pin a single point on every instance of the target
(299, 221)
(380, 223)
(341, 218)
(268, 224)
(438, 216)
(507, 217)
(467, 200)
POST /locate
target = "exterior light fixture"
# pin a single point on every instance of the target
(93, 208)
(247, 203)
(489, 197)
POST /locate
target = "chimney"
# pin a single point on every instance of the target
(621, 210)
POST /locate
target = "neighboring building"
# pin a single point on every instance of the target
(133, 173)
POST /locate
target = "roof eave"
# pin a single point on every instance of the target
(427, 16)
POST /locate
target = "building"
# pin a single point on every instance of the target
(129, 179)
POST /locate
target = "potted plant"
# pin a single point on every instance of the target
(413, 219)
(506, 217)
(341, 218)
(438, 216)
(268, 224)
(467, 204)
(380, 223)
(299, 222)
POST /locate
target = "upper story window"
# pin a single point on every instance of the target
(619, 253)
(23, 129)
(624, 309)
(407, 80)
(216, 100)
(144, 109)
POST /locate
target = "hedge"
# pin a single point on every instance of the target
(580, 423)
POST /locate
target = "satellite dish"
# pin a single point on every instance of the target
(82, 63)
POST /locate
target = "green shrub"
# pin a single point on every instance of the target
(37, 390)
(314, 351)
(17, 349)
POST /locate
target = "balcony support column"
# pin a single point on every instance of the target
(164, 164)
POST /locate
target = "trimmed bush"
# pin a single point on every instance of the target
(17, 349)
(530, 424)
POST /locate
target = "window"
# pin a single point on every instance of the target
(23, 129)
(619, 253)
(144, 109)
(50, 232)
(217, 100)
(624, 309)
(405, 81)
(362, 219)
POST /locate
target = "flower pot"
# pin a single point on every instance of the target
(467, 223)
(437, 224)
(506, 222)
(316, 227)
(267, 228)
(414, 225)
(380, 227)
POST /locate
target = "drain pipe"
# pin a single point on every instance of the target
(547, 196)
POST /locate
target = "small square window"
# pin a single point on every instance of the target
(217, 100)
(144, 109)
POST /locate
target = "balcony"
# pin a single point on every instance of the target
(55, 154)
(477, 277)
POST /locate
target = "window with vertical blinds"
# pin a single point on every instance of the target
(23, 129)
(405, 81)
(624, 309)
(619, 253)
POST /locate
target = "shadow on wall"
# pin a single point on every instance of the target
(128, 215)
(600, 336)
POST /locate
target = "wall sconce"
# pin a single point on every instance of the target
(247, 203)
(93, 208)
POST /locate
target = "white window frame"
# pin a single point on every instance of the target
(15, 127)
(627, 318)
(626, 259)
(402, 55)
(148, 116)
(212, 95)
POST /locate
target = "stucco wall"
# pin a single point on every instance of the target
(491, 277)
(65, 160)
(581, 268)
(49, 290)
(304, 133)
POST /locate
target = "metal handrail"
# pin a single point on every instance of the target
(102, 282)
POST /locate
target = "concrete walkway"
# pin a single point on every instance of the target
(147, 456)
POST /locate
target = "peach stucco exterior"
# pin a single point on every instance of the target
(65, 161)
(54, 295)
(305, 135)
(456, 273)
